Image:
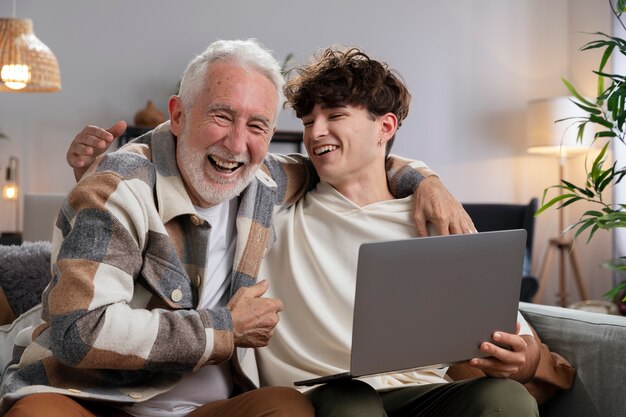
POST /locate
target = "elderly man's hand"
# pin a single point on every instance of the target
(433, 203)
(254, 318)
(91, 142)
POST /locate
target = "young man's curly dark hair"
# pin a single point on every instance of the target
(348, 77)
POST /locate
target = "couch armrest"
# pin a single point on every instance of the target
(595, 344)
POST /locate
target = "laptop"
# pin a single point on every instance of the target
(430, 302)
(40, 213)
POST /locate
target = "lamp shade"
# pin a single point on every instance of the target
(545, 137)
(26, 63)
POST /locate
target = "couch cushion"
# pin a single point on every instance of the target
(595, 344)
(9, 332)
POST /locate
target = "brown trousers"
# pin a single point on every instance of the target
(262, 402)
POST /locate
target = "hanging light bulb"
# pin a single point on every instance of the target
(14, 76)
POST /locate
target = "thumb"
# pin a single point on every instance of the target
(117, 129)
(258, 289)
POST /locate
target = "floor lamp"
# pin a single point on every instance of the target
(558, 140)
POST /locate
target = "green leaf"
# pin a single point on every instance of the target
(600, 120)
(619, 175)
(570, 201)
(615, 291)
(605, 57)
(601, 43)
(584, 191)
(585, 226)
(603, 182)
(593, 213)
(589, 109)
(552, 202)
(605, 134)
(600, 158)
(612, 220)
(593, 231)
(575, 93)
(581, 132)
(613, 76)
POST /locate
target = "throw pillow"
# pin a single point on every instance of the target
(24, 274)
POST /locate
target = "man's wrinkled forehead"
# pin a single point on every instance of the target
(214, 78)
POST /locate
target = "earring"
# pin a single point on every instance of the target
(380, 143)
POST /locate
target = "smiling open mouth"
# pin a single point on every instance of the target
(222, 165)
(325, 149)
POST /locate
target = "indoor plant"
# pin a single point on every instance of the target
(607, 112)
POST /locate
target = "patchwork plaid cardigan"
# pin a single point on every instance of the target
(128, 258)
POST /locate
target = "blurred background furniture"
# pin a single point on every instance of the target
(559, 141)
(489, 217)
(40, 213)
(10, 238)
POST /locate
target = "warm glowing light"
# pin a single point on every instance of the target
(550, 138)
(15, 76)
(9, 191)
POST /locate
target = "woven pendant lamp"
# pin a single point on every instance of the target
(26, 63)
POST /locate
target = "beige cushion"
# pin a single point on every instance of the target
(9, 332)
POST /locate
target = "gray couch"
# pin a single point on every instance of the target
(595, 344)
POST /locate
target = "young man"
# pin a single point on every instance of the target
(351, 107)
(156, 254)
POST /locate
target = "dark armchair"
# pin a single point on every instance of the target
(490, 217)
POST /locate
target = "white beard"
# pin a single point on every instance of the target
(212, 189)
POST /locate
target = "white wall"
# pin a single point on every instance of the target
(472, 67)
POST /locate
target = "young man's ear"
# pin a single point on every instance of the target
(175, 108)
(388, 126)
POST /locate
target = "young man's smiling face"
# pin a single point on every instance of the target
(224, 135)
(344, 142)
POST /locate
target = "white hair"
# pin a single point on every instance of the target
(245, 53)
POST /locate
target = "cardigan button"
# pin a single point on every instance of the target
(135, 395)
(177, 295)
(196, 220)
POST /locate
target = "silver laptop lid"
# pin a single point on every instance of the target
(428, 301)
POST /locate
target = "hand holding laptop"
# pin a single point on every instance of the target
(507, 356)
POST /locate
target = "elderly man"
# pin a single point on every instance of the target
(155, 256)
(136, 317)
